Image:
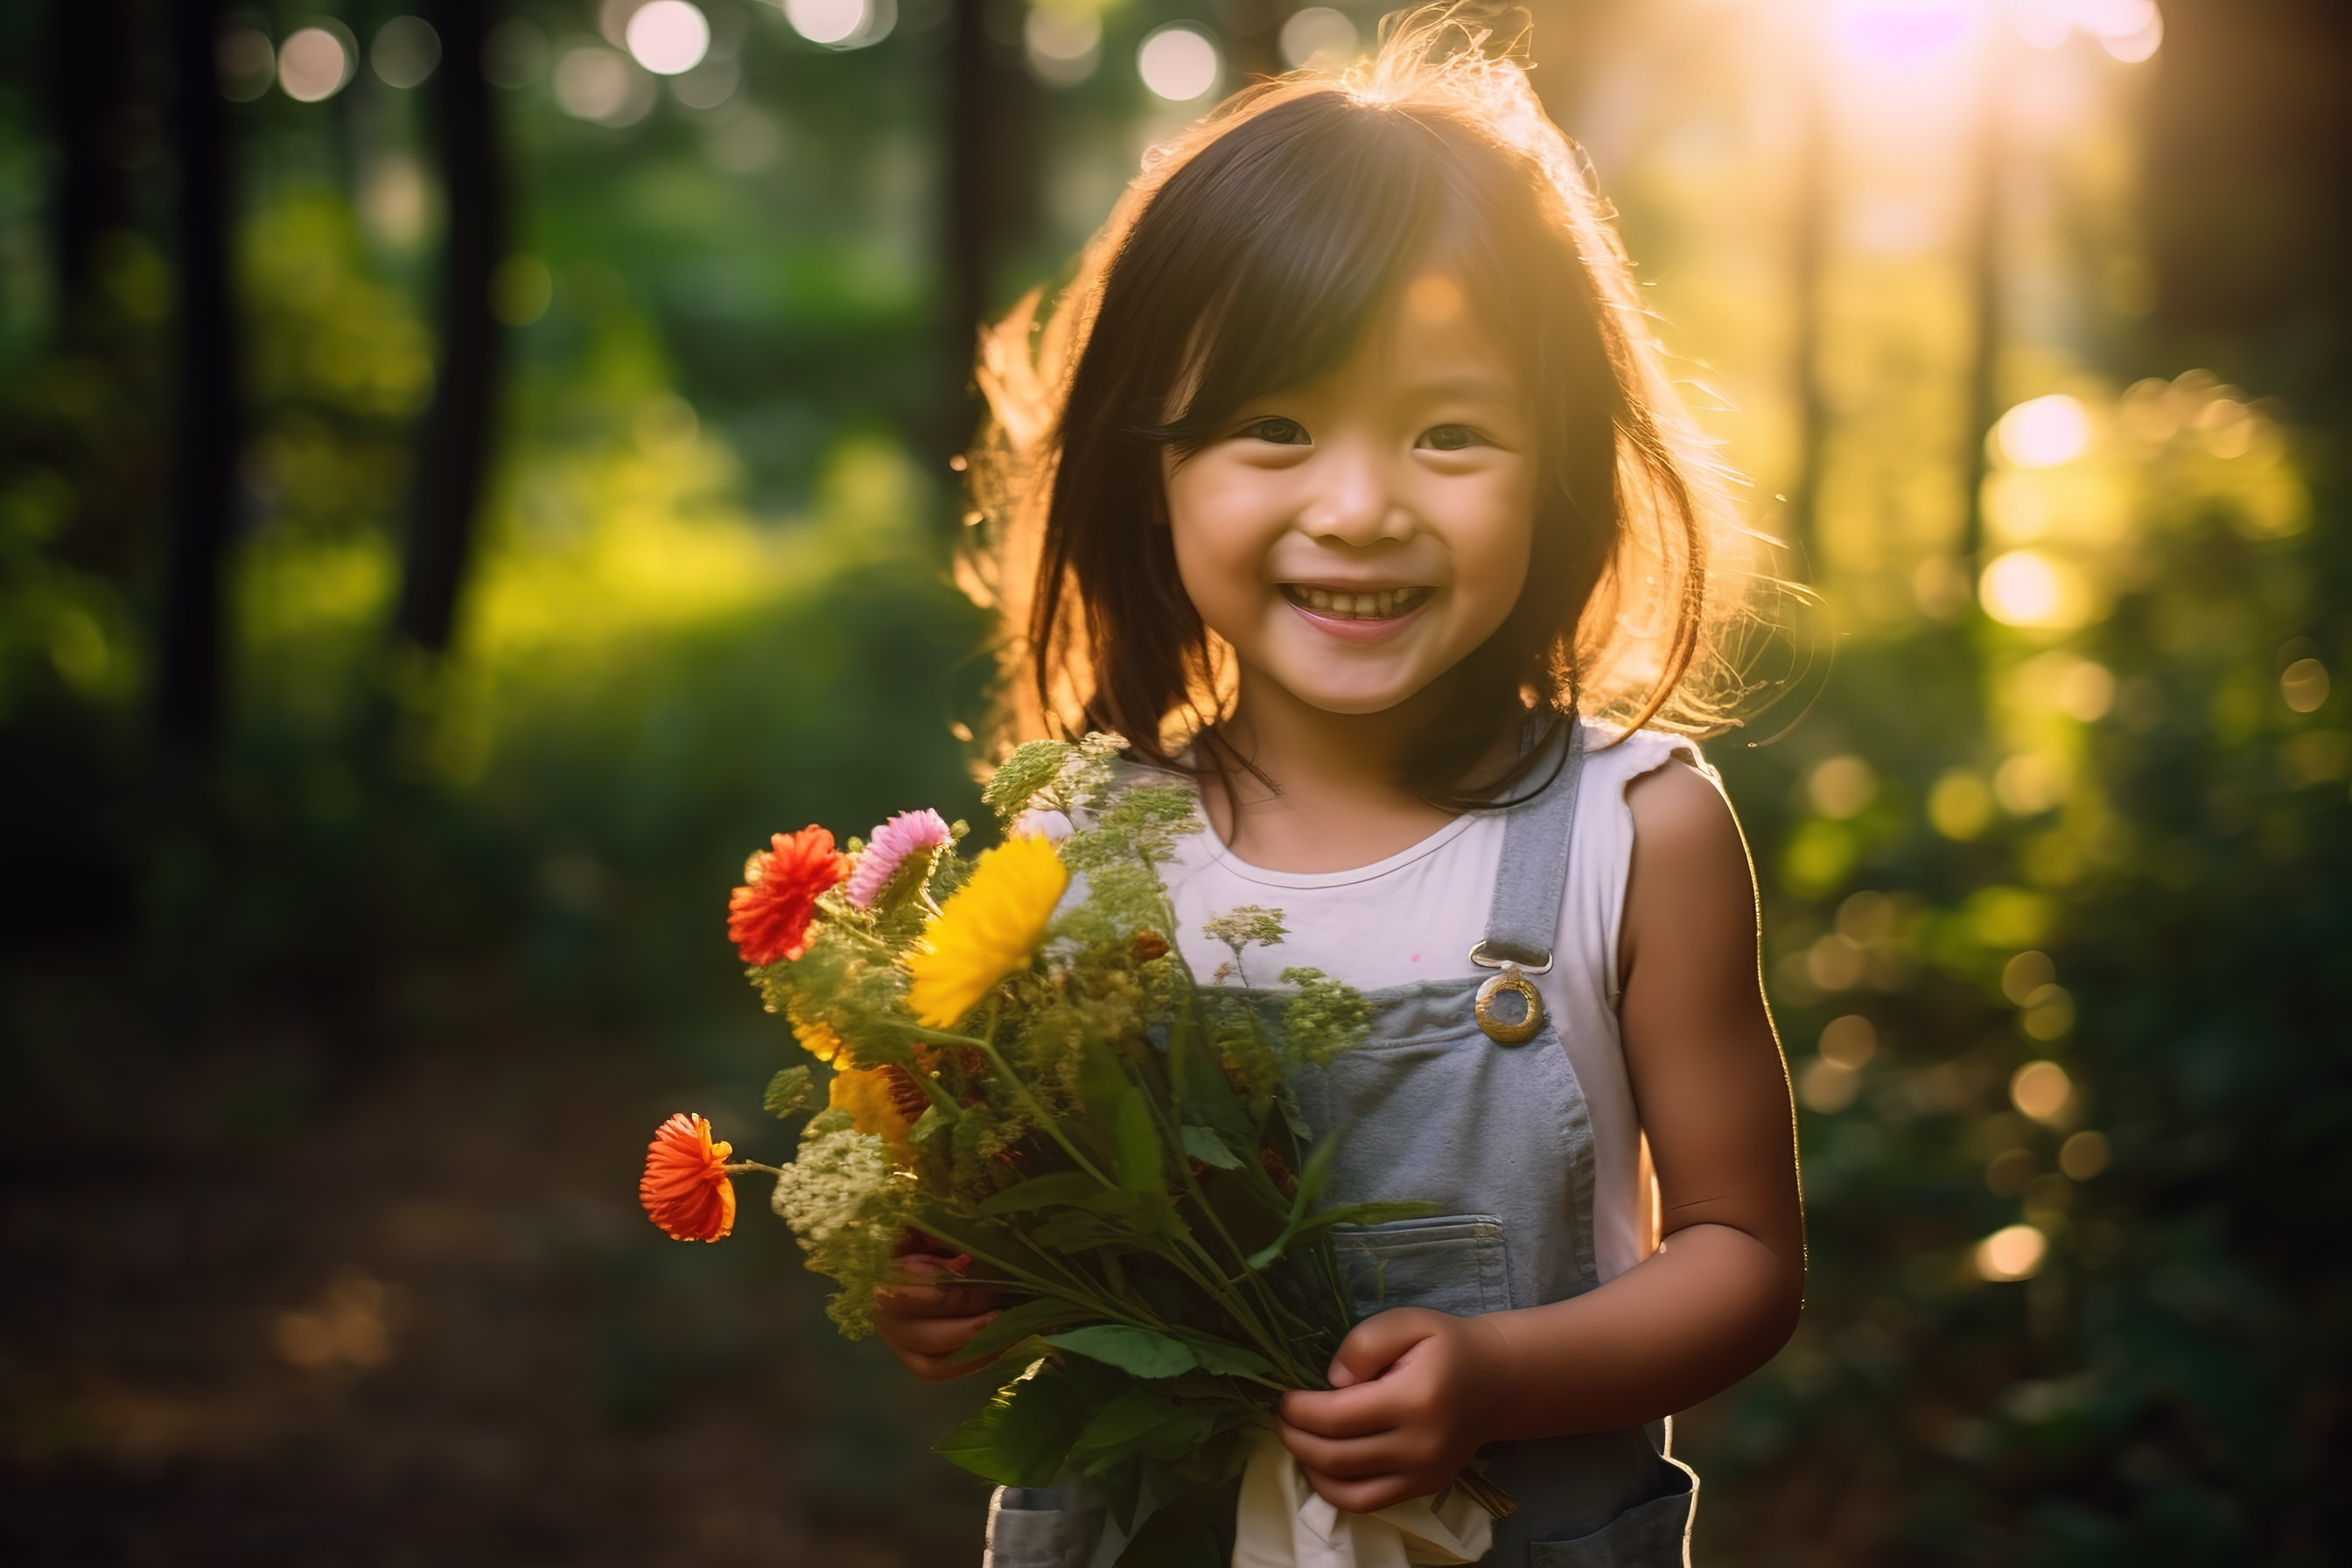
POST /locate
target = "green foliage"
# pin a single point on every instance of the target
(787, 1092)
(1021, 778)
(1326, 1020)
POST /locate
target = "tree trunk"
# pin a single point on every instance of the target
(189, 641)
(454, 459)
(990, 130)
(90, 44)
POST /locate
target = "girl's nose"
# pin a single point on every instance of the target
(1353, 501)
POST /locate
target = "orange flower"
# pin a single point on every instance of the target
(884, 1100)
(685, 1188)
(768, 917)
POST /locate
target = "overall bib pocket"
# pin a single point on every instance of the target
(1448, 1263)
(1655, 1533)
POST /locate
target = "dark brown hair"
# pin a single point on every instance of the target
(1248, 258)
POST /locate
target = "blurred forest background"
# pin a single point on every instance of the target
(466, 477)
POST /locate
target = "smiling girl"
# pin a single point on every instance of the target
(1345, 483)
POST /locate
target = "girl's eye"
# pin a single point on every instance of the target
(1281, 432)
(1451, 438)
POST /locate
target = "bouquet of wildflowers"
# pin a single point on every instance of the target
(1036, 1081)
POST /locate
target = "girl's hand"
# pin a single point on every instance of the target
(930, 1315)
(1403, 1413)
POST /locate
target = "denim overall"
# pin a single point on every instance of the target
(1497, 1136)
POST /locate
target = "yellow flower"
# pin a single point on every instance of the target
(876, 1100)
(816, 1038)
(988, 930)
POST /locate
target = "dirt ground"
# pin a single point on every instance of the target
(265, 1305)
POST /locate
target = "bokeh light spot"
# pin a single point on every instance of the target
(2086, 691)
(246, 63)
(313, 65)
(2029, 971)
(1318, 39)
(2049, 1013)
(841, 24)
(1849, 1041)
(2029, 783)
(2011, 1254)
(1177, 63)
(2084, 1155)
(669, 38)
(1064, 43)
(1836, 963)
(2304, 685)
(2041, 1090)
(1959, 806)
(1841, 787)
(405, 50)
(2045, 432)
(594, 83)
(2027, 588)
(1827, 1087)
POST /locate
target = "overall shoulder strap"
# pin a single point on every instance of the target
(1523, 921)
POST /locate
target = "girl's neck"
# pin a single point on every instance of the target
(1293, 787)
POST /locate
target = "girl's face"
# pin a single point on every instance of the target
(1356, 537)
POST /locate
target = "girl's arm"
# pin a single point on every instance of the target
(1415, 1392)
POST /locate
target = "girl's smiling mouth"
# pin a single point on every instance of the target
(1357, 615)
(1366, 607)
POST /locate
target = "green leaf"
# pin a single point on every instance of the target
(1117, 1425)
(1076, 1230)
(1230, 1360)
(788, 1092)
(1021, 1437)
(1136, 1143)
(1041, 1315)
(1063, 1188)
(1102, 1083)
(1208, 1149)
(1310, 1187)
(1145, 1353)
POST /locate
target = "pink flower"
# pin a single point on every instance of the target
(909, 834)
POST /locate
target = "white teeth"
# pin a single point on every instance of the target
(1381, 603)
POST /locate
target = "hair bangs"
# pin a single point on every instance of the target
(1309, 227)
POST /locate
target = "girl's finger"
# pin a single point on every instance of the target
(1354, 1459)
(933, 1336)
(931, 1301)
(1357, 1412)
(1379, 1342)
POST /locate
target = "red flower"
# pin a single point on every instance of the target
(685, 1188)
(768, 917)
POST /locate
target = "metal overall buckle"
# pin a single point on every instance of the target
(1512, 976)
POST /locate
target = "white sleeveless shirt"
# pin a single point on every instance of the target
(1415, 916)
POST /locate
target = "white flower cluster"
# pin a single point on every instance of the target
(829, 1185)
